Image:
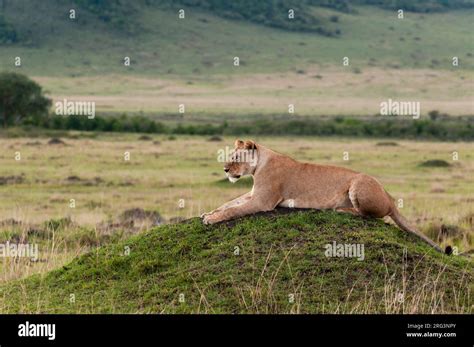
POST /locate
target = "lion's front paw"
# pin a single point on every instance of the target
(204, 214)
(210, 219)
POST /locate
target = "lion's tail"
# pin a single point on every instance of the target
(404, 225)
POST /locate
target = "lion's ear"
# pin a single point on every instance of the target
(250, 145)
(239, 144)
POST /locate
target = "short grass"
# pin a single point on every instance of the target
(272, 263)
(319, 91)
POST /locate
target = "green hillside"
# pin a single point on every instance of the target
(272, 262)
(205, 42)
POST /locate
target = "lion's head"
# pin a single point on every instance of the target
(242, 161)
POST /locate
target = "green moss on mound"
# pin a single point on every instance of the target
(268, 263)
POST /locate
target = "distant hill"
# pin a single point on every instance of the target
(206, 41)
(269, 263)
(267, 12)
(291, 15)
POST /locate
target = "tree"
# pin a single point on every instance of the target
(7, 31)
(20, 97)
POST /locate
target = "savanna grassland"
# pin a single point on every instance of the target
(171, 178)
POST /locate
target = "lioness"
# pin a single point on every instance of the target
(279, 180)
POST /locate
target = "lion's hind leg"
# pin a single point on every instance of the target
(346, 205)
(369, 198)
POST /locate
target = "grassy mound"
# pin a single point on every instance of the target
(268, 263)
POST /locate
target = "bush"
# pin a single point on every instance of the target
(444, 128)
(21, 99)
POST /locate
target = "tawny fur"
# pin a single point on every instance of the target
(282, 181)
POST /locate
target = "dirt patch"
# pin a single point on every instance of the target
(437, 189)
(73, 179)
(96, 181)
(215, 139)
(33, 143)
(139, 214)
(10, 222)
(14, 179)
(85, 181)
(387, 143)
(126, 184)
(56, 141)
(132, 221)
